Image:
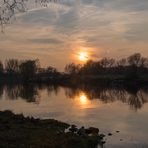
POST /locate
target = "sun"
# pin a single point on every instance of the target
(83, 56)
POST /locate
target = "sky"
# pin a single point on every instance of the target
(56, 35)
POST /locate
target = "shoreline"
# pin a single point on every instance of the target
(25, 132)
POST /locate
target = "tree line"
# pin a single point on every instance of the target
(25, 70)
(132, 67)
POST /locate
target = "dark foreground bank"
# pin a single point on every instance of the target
(17, 131)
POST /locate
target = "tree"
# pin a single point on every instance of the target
(121, 62)
(134, 60)
(9, 8)
(28, 69)
(106, 62)
(143, 62)
(51, 70)
(12, 66)
(72, 68)
(90, 67)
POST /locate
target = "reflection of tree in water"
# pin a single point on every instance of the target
(26, 92)
(52, 88)
(13, 91)
(1, 90)
(30, 92)
(135, 99)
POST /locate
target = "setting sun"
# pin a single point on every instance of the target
(83, 56)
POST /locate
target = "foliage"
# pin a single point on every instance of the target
(28, 69)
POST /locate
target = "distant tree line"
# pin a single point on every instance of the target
(131, 67)
(26, 70)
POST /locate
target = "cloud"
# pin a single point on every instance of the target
(45, 41)
(102, 25)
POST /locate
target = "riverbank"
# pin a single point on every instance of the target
(27, 132)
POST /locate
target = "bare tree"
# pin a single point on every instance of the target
(121, 62)
(106, 62)
(9, 8)
(12, 66)
(134, 60)
(28, 69)
(72, 68)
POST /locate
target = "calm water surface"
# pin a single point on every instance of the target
(108, 109)
(64, 29)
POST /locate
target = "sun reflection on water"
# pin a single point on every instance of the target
(83, 100)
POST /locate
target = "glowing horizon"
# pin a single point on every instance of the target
(54, 35)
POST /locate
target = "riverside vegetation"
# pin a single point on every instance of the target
(26, 75)
(131, 70)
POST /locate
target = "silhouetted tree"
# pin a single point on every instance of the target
(90, 68)
(12, 66)
(134, 60)
(28, 69)
(72, 68)
(104, 62)
(121, 63)
(51, 70)
(135, 67)
(143, 62)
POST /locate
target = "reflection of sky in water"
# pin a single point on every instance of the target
(113, 28)
(80, 110)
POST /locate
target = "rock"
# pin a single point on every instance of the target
(73, 129)
(81, 131)
(102, 135)
(103, 142)
(92, 130)
(110, 134)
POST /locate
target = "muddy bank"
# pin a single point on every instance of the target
(17, 131)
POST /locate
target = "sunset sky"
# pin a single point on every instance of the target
(59, 34)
